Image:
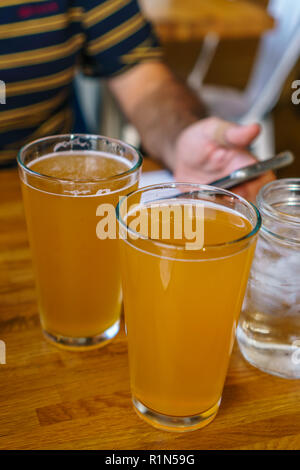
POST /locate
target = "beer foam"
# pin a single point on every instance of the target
(88, 167)
(92, 165)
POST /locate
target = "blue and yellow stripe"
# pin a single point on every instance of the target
(42, 45)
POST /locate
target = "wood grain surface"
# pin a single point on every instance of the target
(52, 399)
(189, 20)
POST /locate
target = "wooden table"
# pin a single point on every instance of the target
(52, 399)
(187, 20)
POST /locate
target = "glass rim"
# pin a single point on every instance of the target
(132, 170)
(267, 209)
(198, 187)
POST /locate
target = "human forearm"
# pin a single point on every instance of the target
(159, 106)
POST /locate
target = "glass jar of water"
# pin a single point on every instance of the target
(269, 328)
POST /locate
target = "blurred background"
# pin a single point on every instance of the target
(231, 66)
(240, 56)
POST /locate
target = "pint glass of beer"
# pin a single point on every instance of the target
(66, 180)
(186, 252)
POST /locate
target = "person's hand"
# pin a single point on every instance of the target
(212, 148)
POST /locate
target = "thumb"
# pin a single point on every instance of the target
(241, 136)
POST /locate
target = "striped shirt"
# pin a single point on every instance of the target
(42, 45)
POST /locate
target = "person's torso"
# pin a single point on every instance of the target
(40, 43)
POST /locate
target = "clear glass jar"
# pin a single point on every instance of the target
(269, 328)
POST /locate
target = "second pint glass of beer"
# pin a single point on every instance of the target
(186, 253)
(65, 179)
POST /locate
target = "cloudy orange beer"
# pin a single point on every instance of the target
(182, 301)
(64, 181)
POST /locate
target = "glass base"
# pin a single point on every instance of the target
(270, 357)
(83, 344)
(175, 423)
